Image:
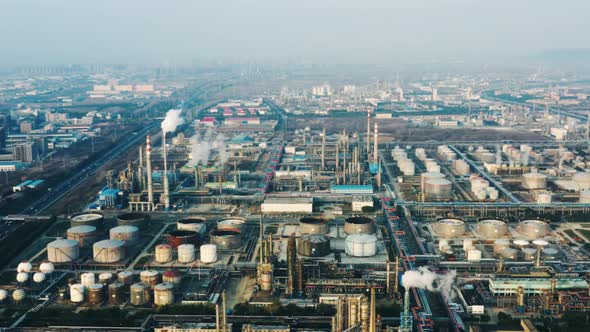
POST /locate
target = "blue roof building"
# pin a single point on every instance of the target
(351, 189)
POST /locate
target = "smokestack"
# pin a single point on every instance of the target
(140, 170)
(376, 144)
(291, 261)
(368, 133)
(407, 302)
(323, 149)
(148, 160)
(373, 313)
(261, 239)
(166, 185)
(224, 313)
(217, 318)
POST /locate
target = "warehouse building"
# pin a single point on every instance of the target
(287, 205)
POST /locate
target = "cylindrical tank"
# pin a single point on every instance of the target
(63, 251)
(105, 278)
(231, 224)
(192, 224)
(125, 277)
(139, 293)
(529, 254)
(425, 177)
(313, 225)
(108, 251)
(540, 243)
(176, 238)
(450, 227)
(533, 229)
(116, 293)
(582, 180)
(265, 280)
(18, 295)
(128, 234)
(225, 240)
(84, 234)
(47, 267)
(492, 228)
(443, 245)
(90, 219)
(544, 197)
(509, 253)
(39, 277)
(77, 293)
(361, 245)
(521, 243)
(186, 253)
(550, 254)
(313, 245)
(133, 219)
(500, 245)
(585, 196)
(357, 225)
(22, 277)
(438, 189)
(3, 295)
(24, 266)
(208, 253)
(163, 294)
(87, 279)
(172, 276)
(149, 277)
(534, 181)
(163, 253)
(473, 255)
(96, 294)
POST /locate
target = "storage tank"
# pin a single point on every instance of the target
(128, 234)
(63, 251)
(582, 180)
(461, 167)
(492, 228)
(133, 219)
(473, 255)
(425, 177)
(359, 225)
(3, 295)
(500, 245)
(585, 196)
(443, 245)
(139, 294)
(533, 229)
(163, 253)
(47, 267)
(108, 251)
(172, 276)
(313, 225)
(125, 277)
(77, 293)
(89, 219)
(84, 234)
(529, 254)
(149, 277)
(510, 253)
(544, 197)
(116, 293)
(22, 277)
(313, 245)
(105, 278)
(521, 243)
(18, 295)
(361, 245)
(39, 277)
(534, 181)
(24, 266)
(193, 224)
(232, 224)
(163, 294)
(468, 245)
(449, 227)
(87, 279)
(176, 238)
(95, 294)
(540, 243)
(208, 253)
(186, 253)
(550, 254)
(225, 240)
(438, 189)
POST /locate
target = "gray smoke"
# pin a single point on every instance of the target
(203, 145)
(423, 278)
(172, 121)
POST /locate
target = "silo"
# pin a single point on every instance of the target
(225, 240)
(163, 253)
(313, 225)
(186, 253)
(176, 238)
(358, 225)
(492, 228)
(63, 251)
(585, 196)
(116, 293)
(429, 176)
(95, 294)
(89, 219)
(125, 277)
(534, 181)
(438, 189)
(193, 224)
(149, 277)
(139, 294)
(533, 229)
(84, 234)
(313, 245)
(208, 253)
(232, 224)
(163, 294)
(108, 251)
(582, 180)
(87, 279)
(361, 245)
(128, 234)
(77, 293)
(449, 227)
(172, 276)
(105, 278)
(133, 219)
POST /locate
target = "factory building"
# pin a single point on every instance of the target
(110, 197)
(359, 202)
(509, 286)
(348, 189)
(287, 205)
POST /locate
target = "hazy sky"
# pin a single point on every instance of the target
(340, 31)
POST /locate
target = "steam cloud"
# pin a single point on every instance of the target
(423, 278)
(203, 145)
(172, 120)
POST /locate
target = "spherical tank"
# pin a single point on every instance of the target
(533, 229)
(91, 219)
(232, 224)
(176, 238)
(95, 293)
(116, 293)
(77, 293)
(225, 240)
(534, 181)
(208, 253)
(425, 177)
(133, 219)
(127, 234)
(585, 196)
(313, 225)
(313, 245)
(125, 277)
(193, 224)
(172, 276)
(22, 277)
(87, 279)
(356, 225)
(449, 228)
(361, 245)
(163, 253)
(149, 277)
(108, 251)
(582, 179)
(18, 295)
(24, 266)
(139, 294)
(47, 267)
(84, 234)
(492, 228)
(3, 295)
(186, 253)
(438, 189)
(63, 251)
(39, 277)
(105, 278)
(163, 294)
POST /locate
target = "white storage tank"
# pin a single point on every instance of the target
(500, 245)
(163, 294)
(449, 227)
(22, 277)
(63, 251)
(468, 245)
(208, 253)
(77, 293)
(105, 278)
(125, 277)
(550, 254)
(84, 234)
(163, 253)
(492, 228)
(108, 251)
(361, 245)
(149, 277)
(438, 189)
(461, 167)
(534, 181)
(3, 295)
(544, 197)
(47, 267)
(128, 234)
(443, 245)
(39, 277)
(186, 253)
(533, 229)
(87, 279)
(473, 255)
(231, 224)
(429, 176)
(24, 266)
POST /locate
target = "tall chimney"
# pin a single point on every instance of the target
(148, 159)
(373, 312)
(368, 133)
(407, 302)
(166, 185)
(140, 169)
(376, 144)
(224, 313)
(323, 149)
(261, 239)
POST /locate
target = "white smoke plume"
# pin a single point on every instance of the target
(203, 145)
(172, 120)
(423, 278)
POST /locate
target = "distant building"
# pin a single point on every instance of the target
(23, 152)
(11, 166)
(287, 205)
(359, 202)
(26, 127)
(242, 121)
(351, 189)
